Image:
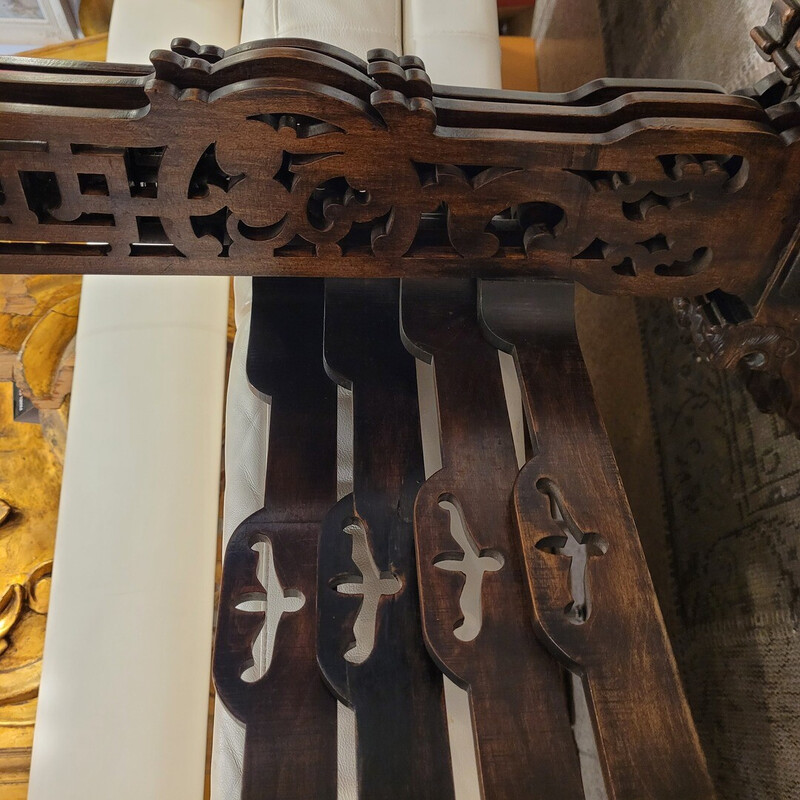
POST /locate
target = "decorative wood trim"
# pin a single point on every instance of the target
(367, 551)
(288, 157)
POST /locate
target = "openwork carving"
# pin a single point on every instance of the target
(292, 157)
(727, 341)
(371, 585)
(576, 545)
(473, 564)
(282, 601)
(762, 349)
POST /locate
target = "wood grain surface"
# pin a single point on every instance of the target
(289, 713)
(291, 157)
(394, 687)
(569, 495)
(524, 742)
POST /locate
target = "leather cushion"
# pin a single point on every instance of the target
(356, 25)
(458, 40)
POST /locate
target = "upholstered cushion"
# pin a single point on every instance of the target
(139, 26)
(457, 40)
(356, 25)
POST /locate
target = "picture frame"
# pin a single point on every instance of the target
(37, 22)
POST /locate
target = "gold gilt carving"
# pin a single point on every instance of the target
(38, 319)
(30, 479)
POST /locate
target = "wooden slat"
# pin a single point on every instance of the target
(290, 716)
(395, 688)
(570, 495)
(524, 742)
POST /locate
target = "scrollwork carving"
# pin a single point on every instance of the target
(293, 157)
(34, 594)
(762, 349)
(726, 344)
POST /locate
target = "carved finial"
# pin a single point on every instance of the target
(404, 74)
(191, 49)
(186, 62)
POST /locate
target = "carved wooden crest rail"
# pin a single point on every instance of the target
(290, 157)
(299, 162)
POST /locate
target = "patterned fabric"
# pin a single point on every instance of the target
(730, 475)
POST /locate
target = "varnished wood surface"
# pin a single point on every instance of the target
(570, 488)
(529, 624)
(289, 714)
(304, 160)
(397, 692)
(524, 742)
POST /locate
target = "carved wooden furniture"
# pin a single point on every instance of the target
(299, 490)
(296, 161)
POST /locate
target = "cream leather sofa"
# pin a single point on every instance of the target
(123, 700)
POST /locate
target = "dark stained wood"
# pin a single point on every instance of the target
(776, 41)
(570, 490)
(289, 713)
(397, 692)
(524, 742)
(289, 157)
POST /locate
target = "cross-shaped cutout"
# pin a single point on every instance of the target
(372, 585)
(473, 563)
(575, 545)
(275, 602)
